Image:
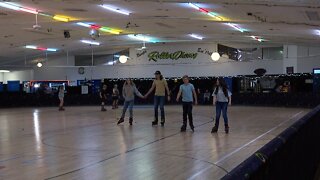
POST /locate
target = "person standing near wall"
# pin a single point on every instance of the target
(188, 93)
(129, 91)
(61, 98)
(221, 99)
(103, 97)
(160, 86)
(206, 97)
(115, 96)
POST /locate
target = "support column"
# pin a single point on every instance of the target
(290, 58)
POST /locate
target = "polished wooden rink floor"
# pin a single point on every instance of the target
(84, 143)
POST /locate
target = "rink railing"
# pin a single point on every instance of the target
(293, 154)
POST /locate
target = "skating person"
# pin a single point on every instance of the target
(160, 86)
(221, 99)
(189, 96)
(115, 96)
(61, 98)
(103, 97)
(129, 91)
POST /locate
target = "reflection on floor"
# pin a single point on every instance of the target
(85, 143)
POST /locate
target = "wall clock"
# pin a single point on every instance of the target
(81, 70)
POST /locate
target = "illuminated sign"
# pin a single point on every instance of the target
(316, 71)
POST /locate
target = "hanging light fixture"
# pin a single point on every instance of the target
(39, 64)
(123, 59)
(215, 56)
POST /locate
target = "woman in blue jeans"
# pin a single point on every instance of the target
(160, 86)
(221, 98)
(129, 91)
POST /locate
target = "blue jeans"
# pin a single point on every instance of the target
(221, 106)
(159, 101)
(127, 104)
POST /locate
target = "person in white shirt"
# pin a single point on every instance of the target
(221, 99)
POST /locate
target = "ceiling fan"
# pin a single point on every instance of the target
(36, 28)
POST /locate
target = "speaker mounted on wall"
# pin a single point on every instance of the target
(66, 34)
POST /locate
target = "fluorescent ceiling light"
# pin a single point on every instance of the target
(205, 11)
(44, 14)
(51, 49)
(196, 36)
(115, 9)
(9, 6)
(214, 16)
(32, 11)
(4, 71)
(98, 27)
(257, 38)
(91, 42)
(31, 47)
(235, 27)
(83, 24)
(61, 18)
(109, 30)
(17, 7)
(140, 37)
(40, 48)
(194, 6)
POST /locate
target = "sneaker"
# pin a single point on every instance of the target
(130, 121)
(192, 128)
(121, 120)
(103, 109)
(214, 129)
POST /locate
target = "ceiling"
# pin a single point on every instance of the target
(277, 21)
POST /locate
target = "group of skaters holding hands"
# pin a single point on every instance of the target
(187, 93)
